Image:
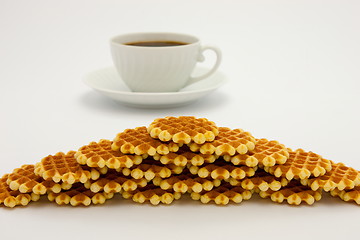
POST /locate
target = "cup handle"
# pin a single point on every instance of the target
(201, 59)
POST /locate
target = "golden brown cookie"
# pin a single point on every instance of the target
(348, 195)
(138, 141)
(223, 194)
(339, 177)
(25, 180)
(64, 167)
(153, 194)
(184, 156)
(99, 154)
(79, 195)
(301, 165)
(294, 193)
(261, 181)
(183, 130)
(222, 171)
(114, 181)
(227, 142)
(150, 169)
(11, 198)
(266, 153)
(186, 182)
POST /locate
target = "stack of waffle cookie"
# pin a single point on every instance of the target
(174, 156)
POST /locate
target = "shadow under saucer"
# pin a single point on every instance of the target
(108, 83)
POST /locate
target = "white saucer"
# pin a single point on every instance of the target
(107, 82)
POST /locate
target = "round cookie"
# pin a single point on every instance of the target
(11, 198)
(348, 195)
(223, 194)
(64, 167)
(186, 182)
(339, 177)
(25, 180)
(261, 181)
(114, 181)
(100, 154)
(222, 171)
(184, 157)
(266, 153)
(138, 141)
(183, 130)
(77, 195)
(301, 165)
(294, 193)
(152, 194)
(227, 142)
(150, 169)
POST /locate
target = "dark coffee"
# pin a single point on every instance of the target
(156, 44)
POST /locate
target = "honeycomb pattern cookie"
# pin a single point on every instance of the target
(100, 154)
(113, 182)
(25, 180)
(138, 141)
(261, 181)
(266, 153)
(64, 167)
(350, 195)
(222, 171)
(294, 193)
(11, 198)
(186, 183)
(301, 165)
(183, 129)
(79, 195)
(152, 194)
(150, 169)
(184, 157)
(223, 195)
(228, 142)
(339, 177)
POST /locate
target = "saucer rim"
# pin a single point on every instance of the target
(85, 78)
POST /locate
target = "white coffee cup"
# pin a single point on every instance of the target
(161, 68)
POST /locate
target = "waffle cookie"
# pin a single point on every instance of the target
(294, 193)
(64, 167)
(183, 129)
(152, 194)
(138, 141)
(261, 181)
(222, 171)
(266, 153)
(11, 198)
(184, 156)
(223, 194)
(114, 181)
(186, 183)
(79, 195)
(150, 169)
(228, 142)
(301, 165)
(340, 177)
(348, 195)
(99, 154)
(25, 180)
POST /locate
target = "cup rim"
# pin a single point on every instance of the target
(115, 39)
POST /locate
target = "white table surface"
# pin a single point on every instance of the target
(293, 69)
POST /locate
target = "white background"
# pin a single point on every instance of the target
(293, 69)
